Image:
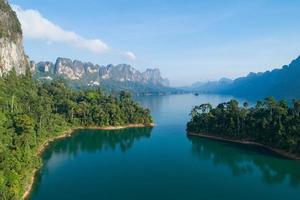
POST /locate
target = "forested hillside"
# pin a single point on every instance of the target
(270, 122)
(32, 112)
(280, 83)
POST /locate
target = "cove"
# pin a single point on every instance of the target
(162, 162)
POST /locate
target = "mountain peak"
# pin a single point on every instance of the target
(12, 53)
(87, 72)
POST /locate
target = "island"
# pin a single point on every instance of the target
(271, 124)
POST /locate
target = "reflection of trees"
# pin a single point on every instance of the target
(274, 169)
(98, 140)
(93, 141)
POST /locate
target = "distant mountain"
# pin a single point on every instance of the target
(208, 87)
(111, 77)
(280, 83)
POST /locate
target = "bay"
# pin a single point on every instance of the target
(163, 162)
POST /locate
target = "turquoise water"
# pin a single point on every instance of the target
(163, 163)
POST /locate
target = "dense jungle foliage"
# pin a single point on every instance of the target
(270, 122)
(32, 112)
(10, 26)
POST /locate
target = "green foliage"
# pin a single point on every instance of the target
(32, 112)
(10, 26)
(270, 122)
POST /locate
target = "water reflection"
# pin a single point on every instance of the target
(95, 164)
(243, 160)
(152, 102)
(98, 140)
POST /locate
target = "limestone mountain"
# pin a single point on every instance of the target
(112, 77)
(12, 53)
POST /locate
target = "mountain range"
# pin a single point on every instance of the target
(283, 82)
(113, 78)
(110, 77)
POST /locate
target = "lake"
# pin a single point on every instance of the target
(163, 162)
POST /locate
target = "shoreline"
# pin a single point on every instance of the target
(68, 133)
(280, 152)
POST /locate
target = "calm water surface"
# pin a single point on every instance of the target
(163, 163)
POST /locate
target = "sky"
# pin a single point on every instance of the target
(188, 40)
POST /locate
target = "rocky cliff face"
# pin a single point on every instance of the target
(125, 72)
(91, 74)
(154, 76)
(12, 53)
(68, 68)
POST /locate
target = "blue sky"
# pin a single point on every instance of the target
(189, 40)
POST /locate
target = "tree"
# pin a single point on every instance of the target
(269, 122)
(32, 112)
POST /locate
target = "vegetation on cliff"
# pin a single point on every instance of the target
(270, 122)
(10, 26)
(32, 112)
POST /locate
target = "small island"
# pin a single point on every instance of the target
(271, 124)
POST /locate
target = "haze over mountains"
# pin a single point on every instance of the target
(281, 83)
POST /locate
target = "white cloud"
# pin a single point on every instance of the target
(35, 26)
(130, 55)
